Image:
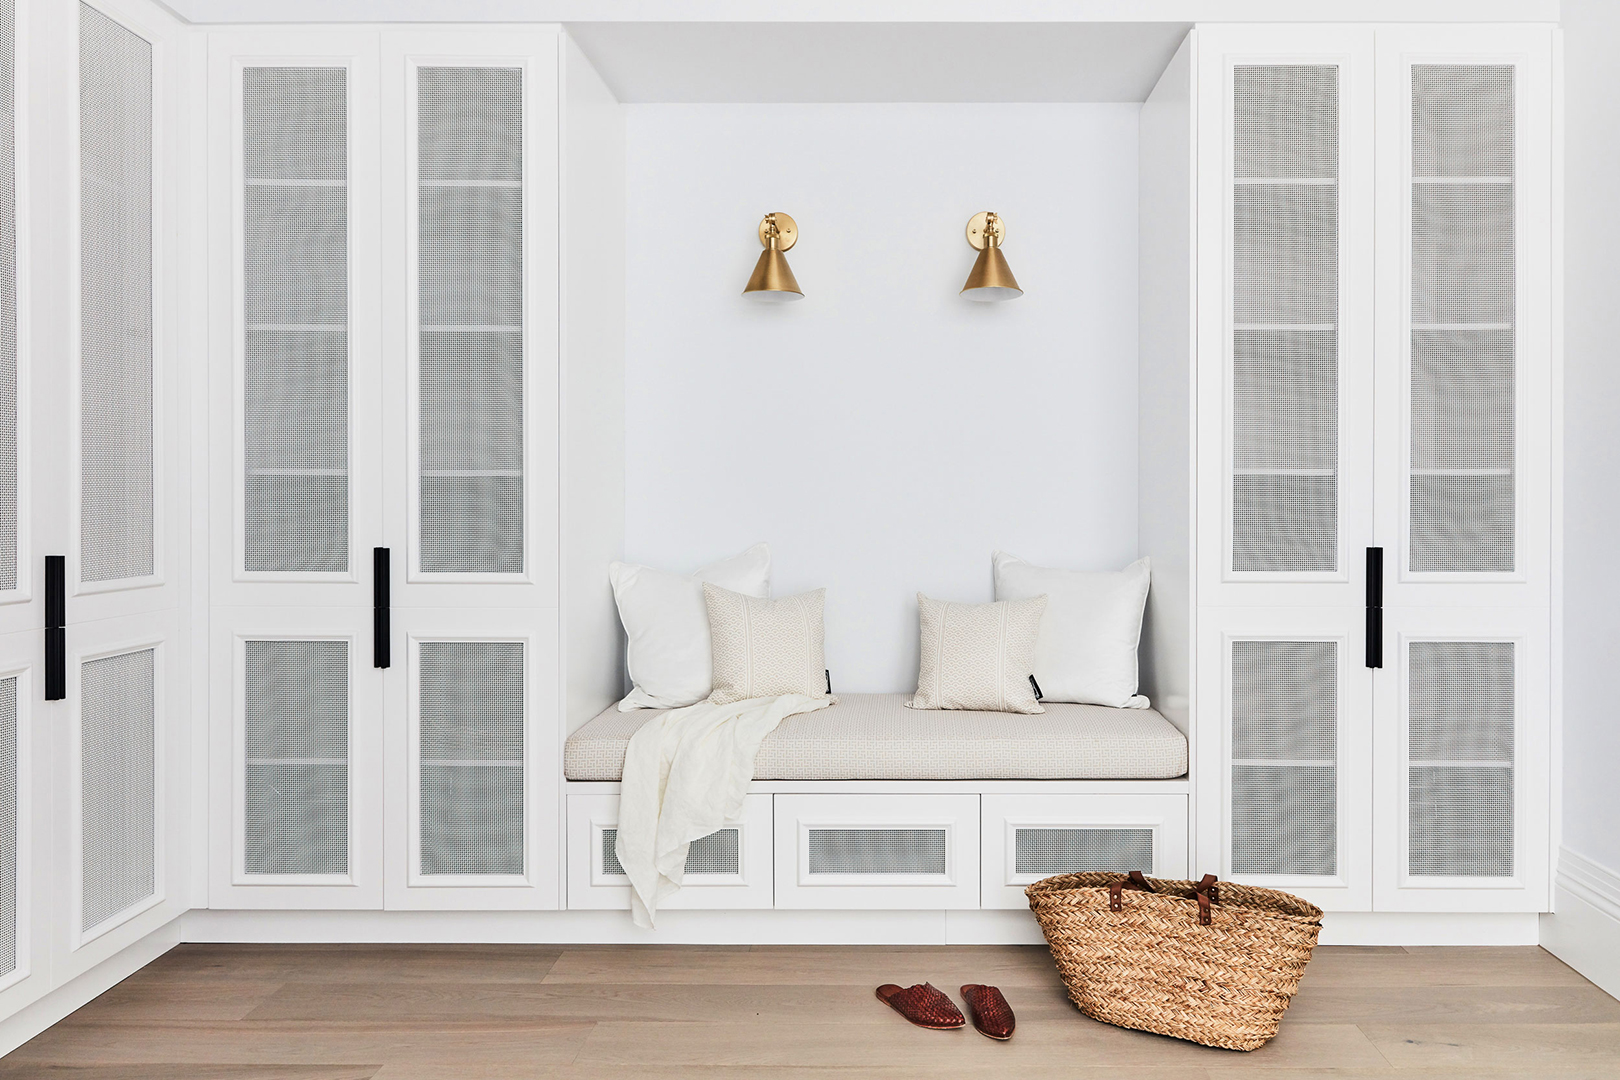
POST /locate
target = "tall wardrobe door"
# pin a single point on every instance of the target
(295, 313)
(470, 320)
(1285, 319)
(11, 549)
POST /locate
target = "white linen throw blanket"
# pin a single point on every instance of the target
(685, 775)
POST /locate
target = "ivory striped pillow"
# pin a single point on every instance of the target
(763, 648)
(977, 656)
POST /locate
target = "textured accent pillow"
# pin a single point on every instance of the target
(978, 656)
(764, 648)
(1087, 650)
(668, 626)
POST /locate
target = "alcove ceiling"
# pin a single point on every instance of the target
(770, 51)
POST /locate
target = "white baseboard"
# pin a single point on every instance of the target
(39, 1015)
(1584, 929)
(1428, 928)
(776, 927)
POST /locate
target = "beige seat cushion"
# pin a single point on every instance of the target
(874, 737)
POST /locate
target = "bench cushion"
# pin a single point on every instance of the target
(874, 737)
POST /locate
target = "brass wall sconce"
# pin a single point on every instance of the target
(772, 279)
(991, 278)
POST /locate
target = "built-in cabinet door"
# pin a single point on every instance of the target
(115, 502)
(1285, 327)
(1292, 697)
(295, 809)
(469, 407)
(1465, 375)
(1283, 734)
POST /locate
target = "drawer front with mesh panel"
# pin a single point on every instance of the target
(471, 311)
(1461, 721)
(295, 311)
(729, 868)
(1285, 318)
(116, 208)
(1284, 739)
(1463, 488)
(295, 770)
(1024, 838)
(471, 751)
(877, 851)
(118, 784)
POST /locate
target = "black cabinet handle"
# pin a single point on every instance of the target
(1375, 607)
(380, 629)
(55, 627)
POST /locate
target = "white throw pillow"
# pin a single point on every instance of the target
(668, 625)
(1093, 624)
(766, 648)
(977, 656)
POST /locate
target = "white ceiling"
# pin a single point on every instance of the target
(790, 62)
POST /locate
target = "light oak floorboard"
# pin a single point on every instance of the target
(401, 1012)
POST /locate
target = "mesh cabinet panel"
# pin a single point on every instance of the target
(470, 303)
(8, 297)
(718, 853)
(877, 851)
(8, 825)
(1285, 281)
(295, 795)
(1072, 850)
(471, 743)
(295, 304)
(1462, 485)
(1285, 714)
(118, 781)
(1461, 717)
(116, 533)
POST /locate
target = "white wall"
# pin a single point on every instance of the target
(883, 434)
(1591, 448)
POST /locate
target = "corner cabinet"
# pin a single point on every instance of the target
(386, 252)
(1373, 401)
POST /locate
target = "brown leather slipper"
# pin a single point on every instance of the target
(992, 1016)
(922, 1004)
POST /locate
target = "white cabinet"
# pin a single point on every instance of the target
(387, 568)
(1374, 383)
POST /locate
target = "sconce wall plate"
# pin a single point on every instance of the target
(991, 278)
(772, 279)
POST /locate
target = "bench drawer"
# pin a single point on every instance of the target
(1030, 837)
(877, 851)
(730, 868)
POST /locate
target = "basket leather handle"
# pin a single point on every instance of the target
(1205, 892)
(1116, 901)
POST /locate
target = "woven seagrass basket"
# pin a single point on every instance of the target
(1212, 963)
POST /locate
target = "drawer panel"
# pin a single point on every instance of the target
(1030, 837)
(877, 851)
(727, 869)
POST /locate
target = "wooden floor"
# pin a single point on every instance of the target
(266, 1012)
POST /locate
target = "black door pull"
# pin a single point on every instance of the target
(380, 629)
(55, 627)
(1375, 607)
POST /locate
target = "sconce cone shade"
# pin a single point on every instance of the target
(772, 280)
(991, 278)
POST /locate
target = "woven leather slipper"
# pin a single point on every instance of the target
(922, 1004)
(992, 1016)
